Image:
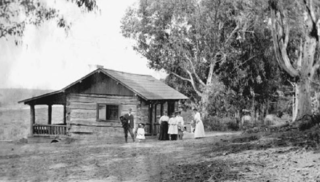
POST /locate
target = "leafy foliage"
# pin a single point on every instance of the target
(218, 52)
(16, 14)
(184, 37)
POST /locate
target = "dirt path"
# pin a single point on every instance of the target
(187, 160)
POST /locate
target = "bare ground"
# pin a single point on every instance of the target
(214, 158)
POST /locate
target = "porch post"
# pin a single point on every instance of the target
(64, 114)
(171, 107)
(155, 118)
(161, 109)
(174, 106)
(32, 118)
(49, 113)
(150, 117)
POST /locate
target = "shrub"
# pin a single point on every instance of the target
(308, 121)
(214, 123)
(233, 126)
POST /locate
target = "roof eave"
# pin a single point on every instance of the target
(153, 99)
(62, 90)
(40, 96)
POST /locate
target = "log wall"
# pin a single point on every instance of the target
(142, 112)
(82, 114)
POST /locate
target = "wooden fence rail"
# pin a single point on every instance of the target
(40, 129)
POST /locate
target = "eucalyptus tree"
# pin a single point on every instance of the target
(252, 76)
(188, 38)
(16, 14)
(295, 29)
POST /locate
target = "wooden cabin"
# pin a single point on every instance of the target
(93, 104)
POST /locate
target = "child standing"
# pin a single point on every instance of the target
(140, 132)
(180, 121)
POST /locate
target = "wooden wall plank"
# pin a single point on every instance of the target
(83, 114)
(94, 123)
(83, 105)
(104, 100)
(93, 98)
(82, 108)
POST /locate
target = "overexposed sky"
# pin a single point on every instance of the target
(49, 58)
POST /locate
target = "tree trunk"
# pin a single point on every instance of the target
(253, 108)
(294, 105)
(303, 88)
(267, 108)
(303, 100)
(204, 105)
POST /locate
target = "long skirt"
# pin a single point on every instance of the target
(199, 131)
(163, 135)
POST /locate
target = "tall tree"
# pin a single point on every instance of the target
(187, 38)
(295, 31)
(16, 14)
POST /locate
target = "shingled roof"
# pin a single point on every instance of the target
(145, 86)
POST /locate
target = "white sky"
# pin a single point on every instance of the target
(51, 59)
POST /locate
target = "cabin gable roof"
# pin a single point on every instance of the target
(145, 86)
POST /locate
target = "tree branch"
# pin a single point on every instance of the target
(231, 35)
(310, 10)
(212, 64)
(194, 70)
(314, 69)
(182, 78)
(280, 44)
(244, 62)
(189, 80)
(299, 62)
(193, 84)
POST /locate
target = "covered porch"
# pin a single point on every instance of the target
(50, 100)
(156, 110)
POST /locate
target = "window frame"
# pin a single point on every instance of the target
(106, 105)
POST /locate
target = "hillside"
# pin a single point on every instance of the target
(9, 97)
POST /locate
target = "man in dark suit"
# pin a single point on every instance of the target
(128, 124)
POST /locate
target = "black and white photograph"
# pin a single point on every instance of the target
(160, 90)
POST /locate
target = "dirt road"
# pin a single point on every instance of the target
(187, 160)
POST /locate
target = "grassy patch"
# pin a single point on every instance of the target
(216, 170)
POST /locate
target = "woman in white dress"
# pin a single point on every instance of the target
(199, 131)
(173, 127)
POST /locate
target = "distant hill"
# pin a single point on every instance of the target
(9, 97)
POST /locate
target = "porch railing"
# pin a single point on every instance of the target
(41, 129)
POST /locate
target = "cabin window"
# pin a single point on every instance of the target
(107, 112)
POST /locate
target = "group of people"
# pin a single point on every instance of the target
(172, 128)
(127, 122)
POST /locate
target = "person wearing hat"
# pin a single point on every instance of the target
(163, 121)
(180, 122)
(173, 127)
(199, 131)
